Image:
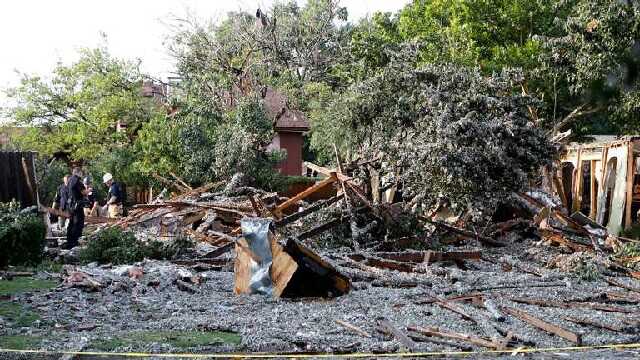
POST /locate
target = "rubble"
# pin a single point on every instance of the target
(394, 278)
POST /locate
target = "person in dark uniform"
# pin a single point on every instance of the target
(91, 205)
(75, 207)
(60, 201)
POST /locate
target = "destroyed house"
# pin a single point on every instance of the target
(601, 180)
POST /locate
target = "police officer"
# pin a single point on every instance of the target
(75, 207)
(90, 208)
(60, 201)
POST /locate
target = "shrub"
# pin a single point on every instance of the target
(22, 236)
(112, 245)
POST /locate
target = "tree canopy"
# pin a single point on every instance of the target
(477, 84)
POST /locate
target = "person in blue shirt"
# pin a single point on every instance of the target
(115, 197)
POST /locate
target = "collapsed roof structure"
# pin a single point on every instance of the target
(601, 179)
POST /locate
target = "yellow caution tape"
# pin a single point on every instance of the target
(318, 356)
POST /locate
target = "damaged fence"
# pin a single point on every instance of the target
(17, 178)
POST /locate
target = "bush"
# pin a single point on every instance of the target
(22, 236)
(112, 245)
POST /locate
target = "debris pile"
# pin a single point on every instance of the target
(533, 276)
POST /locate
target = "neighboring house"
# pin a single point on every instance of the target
(290, 127)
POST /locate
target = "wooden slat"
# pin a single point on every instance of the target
(594, 192)
(282, 268)
(404, 339)
(577, 183)
(575, 305)
(476, 340)
(629, 189)
(353, 328)
(324, 183)
(327, 172)
(541, 324)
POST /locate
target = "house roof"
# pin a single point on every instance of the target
(292, 120)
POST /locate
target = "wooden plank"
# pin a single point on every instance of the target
(282, 268)
(181, 181)
(593, 324)
(594, 192)
(322, 227)
(242, 268)
(399, 335)
(353, 328)
(327, 172)
(476, 340)
(560, 191)
(468, 234)
(629, 189)
(541, 324)
(300, 214)
(574, 305)
(419, 256)
(619, 284)
(577, 183)
(451, 307)
(389, 264)
(324, 183)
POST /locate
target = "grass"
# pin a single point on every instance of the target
(177, 339)
(17, 314)
(46, 265)
(20, 342)
(23, 284)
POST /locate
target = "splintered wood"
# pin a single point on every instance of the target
(541, 324)
(294, 270)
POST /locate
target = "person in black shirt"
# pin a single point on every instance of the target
(90, 207)
(75, 207)
(60, 201)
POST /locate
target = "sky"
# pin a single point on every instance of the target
(37, 34)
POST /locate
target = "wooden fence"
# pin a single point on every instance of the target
(17, 178)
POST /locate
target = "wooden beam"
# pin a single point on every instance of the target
(420, 256)
(353, 328)
(390, 264)
(594, 192)
(541, 324)
(587, 322)
(469, 234)
(321, 185)
(560, 190)
(181, 181)
(629, 189)
(572, 305)
(619, 284)
(404, 339)
(326, 171)
(476, 340)
(300, 214)
(577, 183)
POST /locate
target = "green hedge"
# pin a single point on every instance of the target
(22, 236)
(112, 245)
